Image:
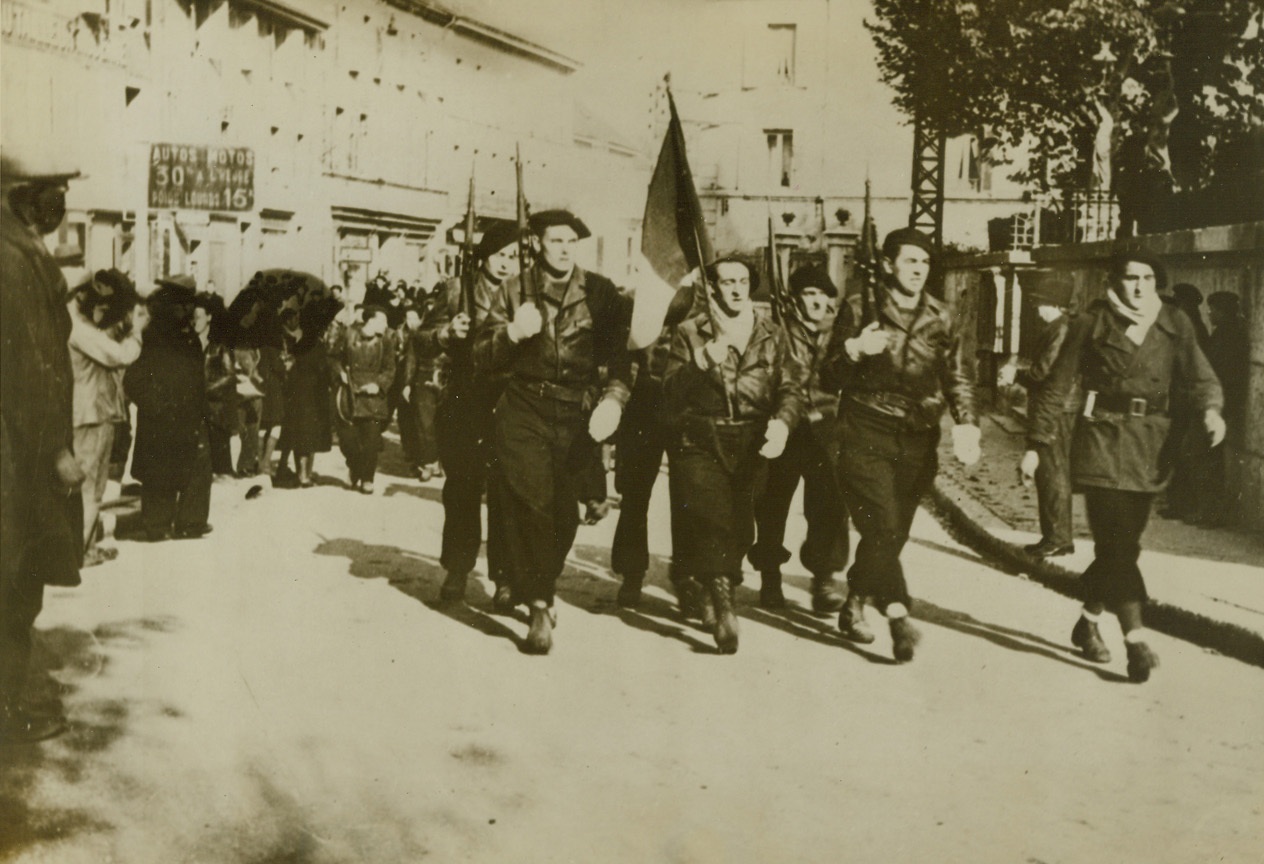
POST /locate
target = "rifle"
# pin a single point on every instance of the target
(524, 233)
(778, 298)
(868, 261)
(466, 304)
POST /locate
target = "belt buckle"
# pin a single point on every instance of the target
(1137, 407)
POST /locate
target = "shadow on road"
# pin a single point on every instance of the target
(414, 575)
(62, 658)
(1007, 637)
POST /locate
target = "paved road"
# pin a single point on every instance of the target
(281, 691)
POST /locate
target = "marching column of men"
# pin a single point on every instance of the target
(744, 406)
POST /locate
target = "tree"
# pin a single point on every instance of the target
(1135, 77)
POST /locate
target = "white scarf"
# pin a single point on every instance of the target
(1140, 319)
(738, 329)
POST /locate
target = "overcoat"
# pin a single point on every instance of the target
(364, 361)
(168, 385)
(1120, 438)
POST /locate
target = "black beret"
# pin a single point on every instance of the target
(813, 276)
(906, 237)
(549, 218)
(497, 236)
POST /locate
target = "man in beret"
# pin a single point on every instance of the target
(807, 456)
(173, 448)
(896, 364)
(463, 419)
(41, 540)
(549, 333)
(105, 338)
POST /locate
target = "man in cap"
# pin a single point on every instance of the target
(105, 338)
(896, 364)
(807, 456)
(1053, 299)
(463, 420)
(41, 535)
(365, 362)
(549, 333)
(173, 447)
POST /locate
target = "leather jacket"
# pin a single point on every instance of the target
(920, 372)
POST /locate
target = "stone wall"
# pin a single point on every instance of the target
(989, 288)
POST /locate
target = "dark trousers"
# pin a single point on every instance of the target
(1117, 519)
(248, 421)
(807, 456)
(539, 446)
(1053, 485)
(884, 470)
(417, 433)
(361, 442)
(463, 435)
(640, 445)
(221, 443)
(714, 472)
(167, 507)
(21, 599)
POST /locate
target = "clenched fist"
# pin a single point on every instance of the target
(526, 323)
(872, 340)
(605, 419)
(775, 437)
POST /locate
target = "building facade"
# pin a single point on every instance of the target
(785, 117)
(220, 137)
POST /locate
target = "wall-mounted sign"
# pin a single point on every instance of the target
(197, 177)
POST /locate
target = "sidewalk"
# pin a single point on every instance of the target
(1206, 584)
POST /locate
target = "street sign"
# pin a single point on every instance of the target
(198, 177)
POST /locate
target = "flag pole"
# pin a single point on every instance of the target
(707, 289)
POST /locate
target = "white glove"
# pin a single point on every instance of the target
(775, 437)
(459, 326)
(1215, 426)
(525, 324)
(1006, 374)
(605, 419)
(872, 340)
(965, 443)
(1027, 467)
(712, 353)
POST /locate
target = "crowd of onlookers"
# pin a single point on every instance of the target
(273, 378)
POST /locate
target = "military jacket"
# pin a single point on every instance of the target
(764, 381)
(920, 372)
(1120, 440)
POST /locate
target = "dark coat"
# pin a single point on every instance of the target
(809, 347)
(920, 372)
(765, 381)
(363, 361)
(463, 383)
(1229, 352)
(168, 385)
(221, 387)
(1114, 449)
(308, 426)
(1035, 378)
(585, 331)
(41, 533)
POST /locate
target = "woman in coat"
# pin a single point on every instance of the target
(1131, 354)
(308, 426)
(732, 392)
(365, 361)
(168, 384)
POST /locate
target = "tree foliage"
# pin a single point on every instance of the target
(1032, 73)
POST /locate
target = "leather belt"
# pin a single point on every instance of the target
(1132, 406)
(890, 404)
(549, 390)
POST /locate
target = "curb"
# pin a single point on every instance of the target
(964, 517)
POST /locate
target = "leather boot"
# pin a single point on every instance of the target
(453, 590)
(770, 593)
(689, 598)
(904, 639)
(630, 591)
(1088, 639)
(725, 627)
(825, 598)
(540, 636)
(852, 624)
(19, 727)
(503, 599)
